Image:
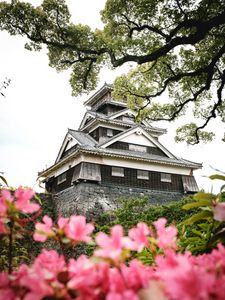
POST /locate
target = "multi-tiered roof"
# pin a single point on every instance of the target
(109, 136)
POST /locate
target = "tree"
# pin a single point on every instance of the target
(177, 48)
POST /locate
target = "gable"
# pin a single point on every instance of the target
(138, 136)
(86, 119)
(67, 146)
(138, 139)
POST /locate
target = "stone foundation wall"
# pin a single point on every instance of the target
(92, 199)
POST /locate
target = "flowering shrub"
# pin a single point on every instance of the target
(108, 274)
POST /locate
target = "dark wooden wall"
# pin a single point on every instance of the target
(130, 179)
(125, 146)
(108, 109)
(102, 132)
(52, 185)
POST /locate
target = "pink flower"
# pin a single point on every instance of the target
(43, 230)
(62, 222)
(136, 275)
(34, 282)
(140, 236)
(219, 212)
(117, 287)
(78, 230)
(182, 279)
(6, 292)
(88, 278)
(166, 236)
(5, 196)
(23, 203)
(126, 295)
(49, 264)
(112, 246)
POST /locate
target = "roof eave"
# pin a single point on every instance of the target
(80, 150)
(181, 164)
(103, 90)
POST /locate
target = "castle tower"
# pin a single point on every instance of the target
(110, 157)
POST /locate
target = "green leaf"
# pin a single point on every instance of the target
(197, 204)
(197, 217)
(217, 176)
(4, 180)
(203, 196)
(197, 232)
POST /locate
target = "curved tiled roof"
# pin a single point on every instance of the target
(140, 156)
(82, 138)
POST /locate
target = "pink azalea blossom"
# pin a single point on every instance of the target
(5, 196)
(62, 222)
(137, 275)
(126, 295)
(139, 235)
(23, 197)
(184, 280)
(6, 292)
(174, 276)
(117, 287)
(112, 246)
(34, 281)
(43, 230)
(78, 230)
(90, 279)
(166, 236)
(3, 208)
(49, 264)
(219, 212)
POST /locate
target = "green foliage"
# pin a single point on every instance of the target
(137, 210)
(201, 232)
(146, 256)
(187, 133)
(176, 47)
(20, 254)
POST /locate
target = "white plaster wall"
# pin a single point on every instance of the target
(71, 143)
(65, 167)
(137, 139)
(141, 165)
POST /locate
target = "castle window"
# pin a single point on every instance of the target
(142, 174)
(109, 132)
(165, 177)
(61, 178)
(138, 148)
(116, 171)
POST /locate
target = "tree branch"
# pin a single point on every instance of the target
(181, 9)
(214, 109)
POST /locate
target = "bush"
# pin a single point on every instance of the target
(111, 273)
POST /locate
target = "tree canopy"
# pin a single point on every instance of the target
(177, 48)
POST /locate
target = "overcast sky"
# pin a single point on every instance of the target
(39, 108)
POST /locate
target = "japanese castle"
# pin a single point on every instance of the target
(111, 156)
